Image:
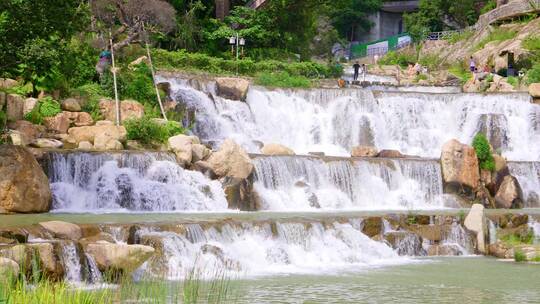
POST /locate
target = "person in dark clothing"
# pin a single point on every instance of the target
(356, 68)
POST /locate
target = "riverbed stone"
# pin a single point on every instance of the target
(119, 257)
(240, 194)
(231, 160)
(105, 142)
(85, 145)
(182, 146)
(200, 152)
(24, 187)
(88, 133)
(405, 243)
(48, 143)
(534, 90)
(460, 168)
(509, 194)
(364, 151)
(372, 226)
(276, 149)
(443, 250)
(62, 230)
(28, 130)
(232, 88)
(476, 222)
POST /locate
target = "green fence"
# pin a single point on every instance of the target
(380, 47)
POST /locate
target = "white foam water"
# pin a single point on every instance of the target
(459, 238)
(267, 249)
(335, 120)
(301, 183)
(150, 182)
(528, 175)
(72, 263)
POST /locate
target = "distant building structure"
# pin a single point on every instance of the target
(388, 21)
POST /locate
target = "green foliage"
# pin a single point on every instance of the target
(91, 93)
(533, 75)
(489, 78)
(46, 107)
(197, 61)
(350, 15)
(23, 90)
(461, 72)
(455, 38)
(148, 131)
(3, 121)
(532, 43)
(420, 77)
(483, 152)
(403, 59)
(519, 256)
(499, 34)
(282, 80)
(490, 5)
(536, 258)
(431, 61)
(514, 81)
(461, 215)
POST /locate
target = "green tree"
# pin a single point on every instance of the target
(348, 16)
(34, 34)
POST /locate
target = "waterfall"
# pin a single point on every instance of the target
(335, 120)
(535, 227)
(72, 263)
(94, 275)
(459, 238)
(101, 182)
(266, 249)
(492, 232)
(528, 175)
(300, 183)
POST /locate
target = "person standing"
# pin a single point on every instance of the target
(472, 64)
(356, 68)
(364, 71)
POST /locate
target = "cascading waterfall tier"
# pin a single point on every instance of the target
(300, 183)
(528, 175)
(149, 181)
(335, 120)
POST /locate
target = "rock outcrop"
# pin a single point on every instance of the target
(182, 146)
(460, 168)
(24, 187)
(276, 149)
(240, 194)
(231, 160)
(476, 222)
(102, 128)
(232, 88)
(63, 230)
(509, 194)
(14, 107)
(6, 83)
(119, 257)
(364, 151)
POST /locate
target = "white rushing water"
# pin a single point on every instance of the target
(301, 183)
(528, 175)
(72, 263)
(100, 182)
(267, 249)
(335, 120)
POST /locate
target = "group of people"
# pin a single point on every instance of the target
(416, 69)
(359, 69)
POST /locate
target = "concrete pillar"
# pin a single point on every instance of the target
(222, 9)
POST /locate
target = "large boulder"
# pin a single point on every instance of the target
(62, 230)
(364, 151)
(89, 133)
(14, 107)
(182, 146)
(6, 83)
(534, 90)
(29, 105)
(476, 222)
(231, 160)
(28, 130)
(105, 142)
(276, 149)
(129, 109)
(240, 194)
(390, 154)
(59, 123)
(47, 143)
(71, 105)
(46, 255)
(119, 257)
(199, 152)
(509, 194)
(24, 187)
(459, 167)
(232, 88)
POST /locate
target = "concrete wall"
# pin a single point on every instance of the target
(384, 24)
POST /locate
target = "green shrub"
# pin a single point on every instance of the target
(282, 80)
(460, 72)
(403, 59)
(536, 258)
(499, 34)
(3, 120)
(532, 43)
(420, 77)
(533, 75)
(514, 81)
(23, 90)
(483, 152)
(91, 93)
(490, 5)
(430, 61)
(148, 131)
(519, 256)
(460, 36)
(46, 107)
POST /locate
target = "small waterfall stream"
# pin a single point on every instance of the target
(528, 175)
(72, 263)
(296, 183)
(151, 182)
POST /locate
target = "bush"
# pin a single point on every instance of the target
(519, 256)
(148, 131)
(483, 152)
(533, 75)
(46, 107)
(490, 5)
(398, 58)
(282, 80)
(499, 34)
(460, 72)
(514, 81)
(455, 38)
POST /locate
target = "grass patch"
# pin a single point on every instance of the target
(148, 131)
(519, 256)
(403, 59)
(460, 72)
(499, 34)
(45, 107)
(460, 36)
(516, 240)
(282, 80)
(514, 81)
(532, 43)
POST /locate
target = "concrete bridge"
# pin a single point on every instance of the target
(388, 21)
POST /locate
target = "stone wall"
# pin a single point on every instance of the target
(509, 10)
